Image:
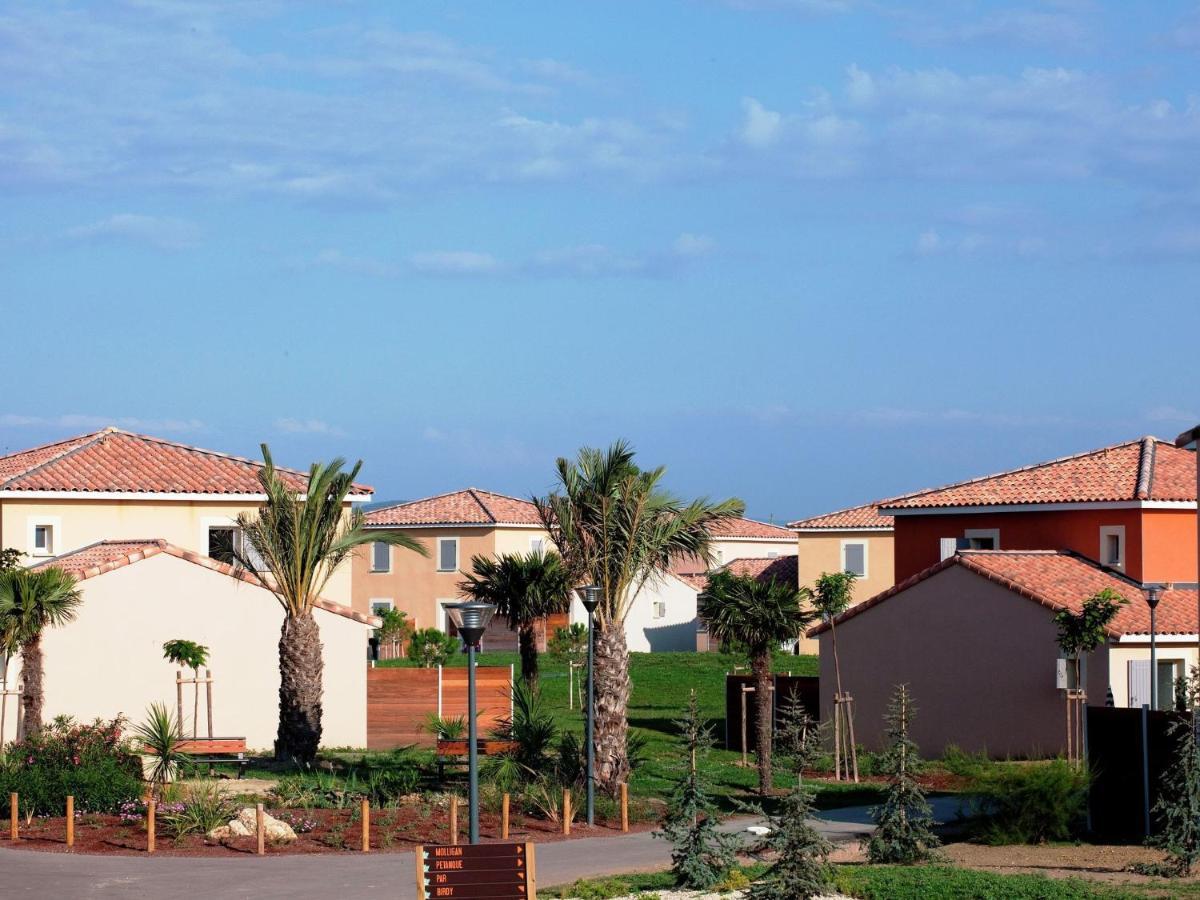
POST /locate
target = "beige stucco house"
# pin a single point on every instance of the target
(974, 638)
(139, 594)
(859, 540)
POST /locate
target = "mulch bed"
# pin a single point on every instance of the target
(333, 831)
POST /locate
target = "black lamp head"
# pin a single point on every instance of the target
(1153, 595)
(590, 596)
(471, 618)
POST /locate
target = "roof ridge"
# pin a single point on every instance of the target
(835, 512)
(86, 440)
(474, 493)
(36, 447)
(466, 490)
(1145, 476)
(1029, 468)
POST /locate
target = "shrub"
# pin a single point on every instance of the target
(431, 647)
(90, 762)
(948, 883)
(161, 736)
(1031, 803)
(203, 807)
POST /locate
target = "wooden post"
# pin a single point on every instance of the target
(853, 742)
(179, 698)
(624, 806)
(150, 816)
(366, 825)
(70, 821)
(837, 737)
(745, 739)
(566, 811)
(504, 818)
(14, 815)
(530, 871)
(453, 819)
(419, 865)
(259, 829)
(208, 680)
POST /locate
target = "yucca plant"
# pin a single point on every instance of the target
(32, 600)
(201, 808)
(295, 542)
(161, 737)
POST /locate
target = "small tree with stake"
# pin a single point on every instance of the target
(192, 655)
(701, 854)
(903, 822)
(800, 869)
(831, 597)
(1079, 634)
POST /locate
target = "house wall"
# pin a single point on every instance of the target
(109, 660)
(675, 631)
(1168, 545)
(820, 553)
(81, 522)
(980, 662)
(1120, 655)
(918, 536)
(729, 549)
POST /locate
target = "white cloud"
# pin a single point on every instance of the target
(83, 422)
(161, 232)
(1168, 413)
(693, 245)
(307, 426)
(1014, 26)
(761, 125)
(360, 265)
(454, 262)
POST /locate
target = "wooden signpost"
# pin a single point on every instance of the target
(476, 872)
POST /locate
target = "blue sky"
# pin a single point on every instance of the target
(804, 252)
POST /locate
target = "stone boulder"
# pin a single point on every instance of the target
(246, 825)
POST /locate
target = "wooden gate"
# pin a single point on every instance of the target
(399, 701)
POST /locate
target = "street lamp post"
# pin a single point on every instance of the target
(590, 597)
(1153, 595)
(471, 619)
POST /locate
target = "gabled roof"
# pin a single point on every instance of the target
(116, 461)
(855, 518)
(1140, 470)
(466, 507)
(749, 529)
(779, 568)
(1057, 580)
(105, 556)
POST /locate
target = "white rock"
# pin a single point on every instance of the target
(246, 825)
(758, 830)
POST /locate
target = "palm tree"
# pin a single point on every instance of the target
(758, 615)
(524, 588)
(188, 653)
(295, 543)
(618, 528)
(32, 600)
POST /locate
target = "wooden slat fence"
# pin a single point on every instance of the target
(400, 700)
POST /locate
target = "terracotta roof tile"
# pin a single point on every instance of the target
(1145, 469)
(105, 556)
(120, 461)
(749, 528)
(855, 518)
(466, 507)
(1058, 580)
(780, 568)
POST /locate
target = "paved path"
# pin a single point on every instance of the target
(27, 874)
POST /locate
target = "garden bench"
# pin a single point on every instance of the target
(213, 751)
(454, 752)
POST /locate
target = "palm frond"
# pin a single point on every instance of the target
(32, 600)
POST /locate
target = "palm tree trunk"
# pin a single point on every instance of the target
(33, 676)
(761, 665)
(527, 641)
(612, 703)
(300, 669)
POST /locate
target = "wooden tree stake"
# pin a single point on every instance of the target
(150, 816)
(504, 818)
(624, 806)
(366, 825)
(179, 698)
(208, 681)
(260, 829)
(453, 819)
(566, 811)
(14, 817)
(70, 822)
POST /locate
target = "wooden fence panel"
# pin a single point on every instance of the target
(399, 700)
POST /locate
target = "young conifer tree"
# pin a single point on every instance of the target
(904, 821)
(800, 867)
(702, 855)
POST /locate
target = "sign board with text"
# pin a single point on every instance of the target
(476, 872)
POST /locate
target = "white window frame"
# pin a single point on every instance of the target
(54, 523)
(866, 545)
(208, 522)
(446, 540)
(659, 609)
(374, 547)
(537, 545)
(993, 533)
(1117, 531)
(380, 601)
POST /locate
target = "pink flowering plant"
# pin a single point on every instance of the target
(93, 763)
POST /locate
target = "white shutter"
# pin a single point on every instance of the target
(1139, 683)
(949, 547)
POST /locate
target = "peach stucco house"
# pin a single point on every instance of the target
(147, 526)
(859, 540)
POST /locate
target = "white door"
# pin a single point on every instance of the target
(1139, 683)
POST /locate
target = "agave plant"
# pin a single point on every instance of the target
(161, 737)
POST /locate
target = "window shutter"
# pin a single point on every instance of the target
(949, 546)
(1139, 683)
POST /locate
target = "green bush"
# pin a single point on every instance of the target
(431, 647)
(948, 883)
(92, 763)
(201, 808)
(1029, 803)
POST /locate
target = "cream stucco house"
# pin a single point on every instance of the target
(860, 539)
